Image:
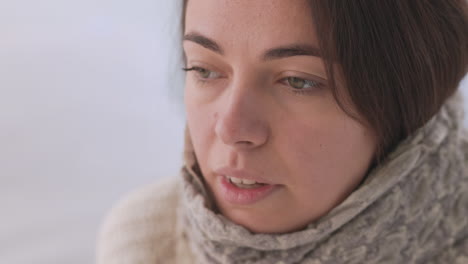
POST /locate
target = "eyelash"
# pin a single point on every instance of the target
(198, 71)
(316, 85)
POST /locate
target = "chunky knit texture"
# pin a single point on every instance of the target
(411, 209)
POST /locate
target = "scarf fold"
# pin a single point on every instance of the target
(408, 209)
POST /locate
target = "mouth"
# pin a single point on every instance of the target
(239, 191)
(244, 183)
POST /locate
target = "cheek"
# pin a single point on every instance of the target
(328, 151)
(197, 112)
(200, 122)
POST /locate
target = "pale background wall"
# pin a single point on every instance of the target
(89, 109)
(87, 112)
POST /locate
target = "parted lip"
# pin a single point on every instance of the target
(242, 174)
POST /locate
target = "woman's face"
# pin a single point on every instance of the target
(259, 110)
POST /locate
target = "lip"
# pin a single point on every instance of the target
(235, 195)
(239, 196)
(242, 174)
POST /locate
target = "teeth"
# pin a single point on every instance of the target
(248, 182)
(241, 181)
(235, 180)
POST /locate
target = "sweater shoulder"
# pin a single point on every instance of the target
(141, 227)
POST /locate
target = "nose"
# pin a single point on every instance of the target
(240, 122)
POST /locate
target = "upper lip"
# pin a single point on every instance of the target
(241, 174)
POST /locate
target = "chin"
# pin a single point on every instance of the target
(256, 222)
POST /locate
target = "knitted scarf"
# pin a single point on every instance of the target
(410, 208)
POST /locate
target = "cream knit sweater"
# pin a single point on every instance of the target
(144, 228)
(412, 209)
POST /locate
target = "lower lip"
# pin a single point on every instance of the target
(233, 194)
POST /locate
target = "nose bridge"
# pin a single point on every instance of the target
(240, 119)
(241, 100)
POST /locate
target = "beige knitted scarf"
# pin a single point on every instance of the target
(410, 209)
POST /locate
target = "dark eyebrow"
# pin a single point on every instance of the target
(203, 41)
(290, 51)
(275, 53)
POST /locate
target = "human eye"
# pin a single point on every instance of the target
(300, 85)
(203, 74)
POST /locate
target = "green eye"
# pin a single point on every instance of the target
(203, 73)
(299, 83)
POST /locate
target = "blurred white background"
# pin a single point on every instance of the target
(88, 111)
(90, 108)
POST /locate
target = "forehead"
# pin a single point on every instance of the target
(252, 24)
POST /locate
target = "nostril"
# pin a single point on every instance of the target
(244, 144)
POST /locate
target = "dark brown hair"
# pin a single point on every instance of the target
(398, 59)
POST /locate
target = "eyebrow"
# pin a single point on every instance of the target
(204, 42)
(271, 54)
(290, 51)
